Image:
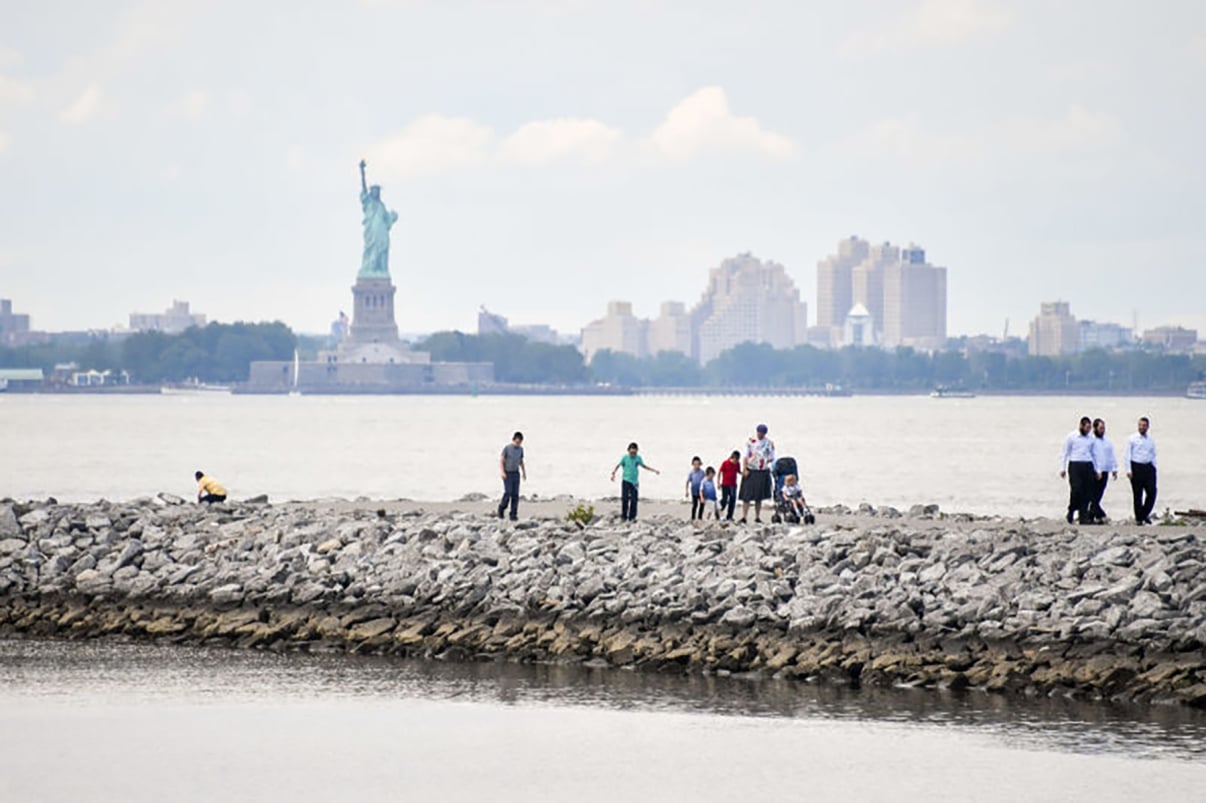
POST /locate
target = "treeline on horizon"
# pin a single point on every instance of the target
(217, 352)
(223, 353)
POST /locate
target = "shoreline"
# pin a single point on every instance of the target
(954, 602)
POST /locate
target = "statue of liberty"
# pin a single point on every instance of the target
(377, 222)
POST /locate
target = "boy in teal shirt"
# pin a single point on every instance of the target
(631, 464)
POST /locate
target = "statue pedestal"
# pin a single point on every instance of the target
(373, 311)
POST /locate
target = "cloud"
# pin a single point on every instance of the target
(546, 141)
(14, 91)
(84, 107)
(932, 23)
(192, 106)
(9, 57)
(702, 123)
(433, 144)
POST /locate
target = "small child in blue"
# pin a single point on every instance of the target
(631, 463)
(694, 480)
(707, 494)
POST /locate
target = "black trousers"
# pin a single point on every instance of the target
(628, 501)
(510, 494)
(1099, 489)
(728, 500)
(1082, 480)
(697, 507)
(1143, 489)
(209, 499)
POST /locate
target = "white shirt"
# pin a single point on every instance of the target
(1077, 449)
(1104, 459)
(1139, 449)
(759, 453)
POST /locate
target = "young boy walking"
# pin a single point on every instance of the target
(631, 464)
(729, 470)
(707, 495)
(695, 479)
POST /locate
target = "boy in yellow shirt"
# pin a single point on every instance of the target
(209, 490)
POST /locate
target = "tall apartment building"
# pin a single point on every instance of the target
(914, 302)
(671, 329)
(14, 327)
(1054, 332)
(835, 290)
(173, 321)
(867, 282)
(748, 301)
(1176, 339)
(619, 331)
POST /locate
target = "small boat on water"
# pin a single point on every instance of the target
(1196, 390)
(951, 393)
(195, 389)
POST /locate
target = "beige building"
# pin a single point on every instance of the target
(172, 321)
(914, 302)
(670, 330)
(748, 301)
(1054, 332)
(835, 289)
(867, 282)
(618, 331)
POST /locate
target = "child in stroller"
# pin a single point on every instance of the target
(790, 504)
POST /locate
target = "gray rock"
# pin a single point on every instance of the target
(10, 545)
(227, 594)
(9, 526)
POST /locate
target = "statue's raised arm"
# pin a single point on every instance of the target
(363, 183)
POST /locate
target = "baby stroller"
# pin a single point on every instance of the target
(784, 511)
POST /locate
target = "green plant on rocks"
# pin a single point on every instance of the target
(581, 515)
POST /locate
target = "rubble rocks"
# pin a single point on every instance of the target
(870, 598)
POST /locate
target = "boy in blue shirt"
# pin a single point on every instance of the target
(694, 480)
(631, 464)
(707, 494)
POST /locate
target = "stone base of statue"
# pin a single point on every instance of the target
(373, 311)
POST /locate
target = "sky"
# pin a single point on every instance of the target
(547, 157)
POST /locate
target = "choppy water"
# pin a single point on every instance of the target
(111, 722)
(983, 455)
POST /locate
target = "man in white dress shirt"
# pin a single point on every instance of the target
(1106, 464)
(1139, 462)
(1076, 463)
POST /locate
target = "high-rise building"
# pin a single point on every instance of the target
(748, 301)
(13, 327)
(1054, 332)
(491, 323)
(835, 290)
(914, 302)
(867, 282)
(619, 331)
(671, 329)
(172, 321)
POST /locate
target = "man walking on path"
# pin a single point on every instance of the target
(756, 483)
(1139, 462)
(1106, 464)
(1076, 463)
(511, 467)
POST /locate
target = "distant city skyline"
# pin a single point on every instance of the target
(159, 151)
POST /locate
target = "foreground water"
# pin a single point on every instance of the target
(113, 722)
(981, 455)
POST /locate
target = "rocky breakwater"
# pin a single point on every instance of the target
(1033, 608)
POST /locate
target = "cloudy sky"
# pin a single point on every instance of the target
(547, 156)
